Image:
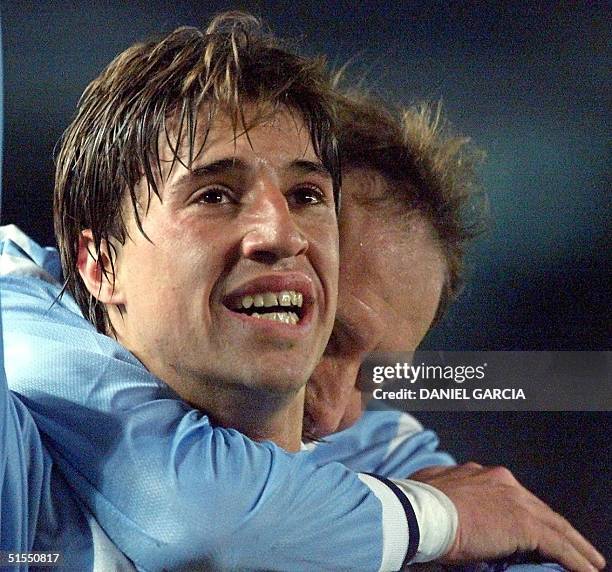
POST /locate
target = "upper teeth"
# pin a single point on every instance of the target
(269, 299)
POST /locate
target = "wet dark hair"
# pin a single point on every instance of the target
(157, 88)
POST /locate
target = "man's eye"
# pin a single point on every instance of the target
(307, 195)
(214, 196)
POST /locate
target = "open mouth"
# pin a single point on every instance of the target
(285, 306)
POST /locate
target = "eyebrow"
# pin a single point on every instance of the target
(238, 165)
(310, 167)
(214, 168)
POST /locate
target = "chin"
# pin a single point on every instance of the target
(289, 363)
(275, 384)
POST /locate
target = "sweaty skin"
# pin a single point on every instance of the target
(391, 277)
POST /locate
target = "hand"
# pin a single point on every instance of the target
(498, 517)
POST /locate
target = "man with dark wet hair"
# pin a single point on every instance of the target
(218, 239)
(196, 195)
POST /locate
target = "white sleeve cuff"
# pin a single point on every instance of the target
(436, 516)
(419, 522)
(395, 528)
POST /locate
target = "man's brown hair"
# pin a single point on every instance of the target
(160, 87)
(428, 169)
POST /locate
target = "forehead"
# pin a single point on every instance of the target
(379, 212)
(386, 248)
(261, 133)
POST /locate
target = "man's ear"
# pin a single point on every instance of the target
(96, 270)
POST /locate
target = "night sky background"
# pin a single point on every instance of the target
(529, 82)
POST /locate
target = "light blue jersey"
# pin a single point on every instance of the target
(22, 458)
(166, 486)
(170, 490)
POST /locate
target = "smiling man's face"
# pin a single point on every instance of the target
(237, 285)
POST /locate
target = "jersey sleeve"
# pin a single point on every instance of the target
(389, 443)
(168, 488)
(21, 470)
(21, 473)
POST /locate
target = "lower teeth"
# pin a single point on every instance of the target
(285, 317)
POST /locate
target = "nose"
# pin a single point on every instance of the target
(273, 232)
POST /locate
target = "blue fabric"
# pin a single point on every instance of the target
(37, 509)
(169, 489)
(386, 442)
(23, 464)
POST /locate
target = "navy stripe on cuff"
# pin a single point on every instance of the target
(414, 536)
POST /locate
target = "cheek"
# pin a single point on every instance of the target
(332, 246)
(413, 305)
(190, 259)
(161, 278)
(425, 287)
(324, 254)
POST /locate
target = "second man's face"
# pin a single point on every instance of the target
(391, 275)
(237, 285)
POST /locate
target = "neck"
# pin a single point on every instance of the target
(258, 414)
(260, 420)
(263, 414)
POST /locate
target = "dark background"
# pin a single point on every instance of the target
(529, 82)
